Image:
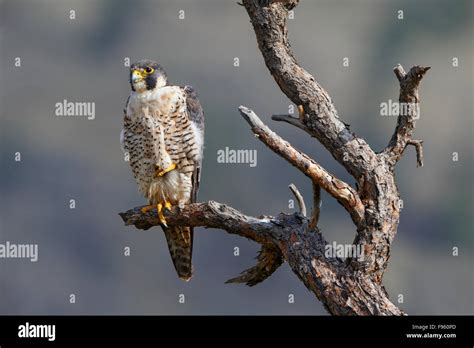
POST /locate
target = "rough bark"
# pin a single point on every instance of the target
(345, 287)
(341, 291)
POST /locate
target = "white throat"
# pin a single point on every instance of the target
(163, 100)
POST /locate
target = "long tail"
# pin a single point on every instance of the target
(180, 244)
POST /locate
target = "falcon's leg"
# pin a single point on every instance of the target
(159, 209)
(164, 171)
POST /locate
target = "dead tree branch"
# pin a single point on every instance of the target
(418, 144)
(409, 113)
(299, 199)
(345, 287)
(291, 120)
(341, 191)
(322, 120)
(284, 237)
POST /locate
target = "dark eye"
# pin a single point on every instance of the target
(149, 70)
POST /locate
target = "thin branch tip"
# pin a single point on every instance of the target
(418, 144)
(299, 199)
(251, 117)
(409, 93)
(291, 120)
(245, 110)
(416, 72)
(399, 71)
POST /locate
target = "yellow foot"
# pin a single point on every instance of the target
(168, 205)
(301, 112)
(159, 208)
(147, 208)
(164, 171)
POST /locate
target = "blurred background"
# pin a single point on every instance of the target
(81, 250)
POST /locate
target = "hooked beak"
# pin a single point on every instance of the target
(137, 76)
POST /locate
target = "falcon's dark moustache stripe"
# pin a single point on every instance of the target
(150, 82)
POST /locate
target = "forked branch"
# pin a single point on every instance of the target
(299, 199)
(409, 113)
(345, 287)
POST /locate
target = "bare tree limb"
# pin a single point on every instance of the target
(343, 192)
(285, 235)
(409, 113)
(211, 214)
(291, 120)
(345, 287)
(418, 144)
(299, 199)
(268, 260)
(322, 120)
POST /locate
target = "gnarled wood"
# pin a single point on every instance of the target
(287, 235)
(345, 287)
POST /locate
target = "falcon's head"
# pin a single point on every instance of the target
(146, 75)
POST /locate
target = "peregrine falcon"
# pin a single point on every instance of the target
(163, 135)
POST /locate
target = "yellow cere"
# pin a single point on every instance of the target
(136, 72)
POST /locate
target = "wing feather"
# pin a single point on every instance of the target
(196, 116)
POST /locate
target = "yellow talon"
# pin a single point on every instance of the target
(168, 205)
(146, 209)
(169, 169)
(159, 208)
